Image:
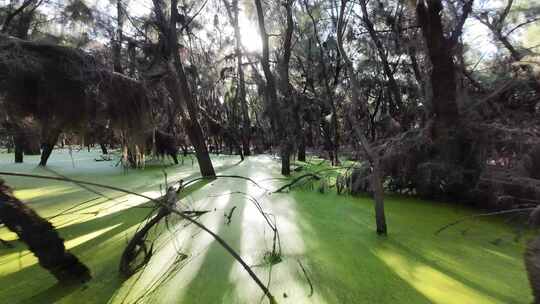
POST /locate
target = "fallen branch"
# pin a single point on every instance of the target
(481, 215)
(222, 242)
(225, 176)
(296, 180)
(137, 244)
(307, 278)
(230, 215)
(41, 238)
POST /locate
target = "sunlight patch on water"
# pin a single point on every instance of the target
(187, 240)
(435, 285)
(14, 262)
(287, 281)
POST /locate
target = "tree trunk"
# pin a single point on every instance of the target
(376, 178)
(117, 39)
(270, 87)
(280, 113)
(302, 150)
(285, 153)
(41, 238)
(378, 196)
(103, 148)
(18, 142)
(443, 81)
(178, 86)
(532, 264)
(201, 153)
(51, 137)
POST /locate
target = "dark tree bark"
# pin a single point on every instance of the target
(197, 136)
(50, 139)
(103, 148)
(285, 92)
(18, 142)
(117, 38)
(376, 175)
(280, 111)
(41, 238)
(302, 150)
(532, 257)
(178, 86)
(270, 88)
(442, 78)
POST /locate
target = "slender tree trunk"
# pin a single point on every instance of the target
(376, 176)
(103, 148)
(51, 137)
(193, 130)
(178, 86)
(285, 91)
(270, 87)
(394, 88)
(302, 149)
(41, 238)
(18, 142)
(280, 114)
(117, 40)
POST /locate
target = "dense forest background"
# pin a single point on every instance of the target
(440, 96)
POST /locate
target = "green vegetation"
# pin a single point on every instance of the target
(331, 237)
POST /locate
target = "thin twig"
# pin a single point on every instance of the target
(481, 215)
(307, 278)
(296, 180)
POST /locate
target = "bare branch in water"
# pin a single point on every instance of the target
(222, 242)
(481, 215)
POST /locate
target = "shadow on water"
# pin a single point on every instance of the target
(213, 284)
(101, 253)
(408, 266)
(338, 259)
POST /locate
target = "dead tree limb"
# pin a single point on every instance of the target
(307, 278)
(41, 238)
(225, 176)
(296, 180)
(222, 242)
(480, 215)
(229, 216)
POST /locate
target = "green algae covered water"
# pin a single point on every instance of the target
(330, 252)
